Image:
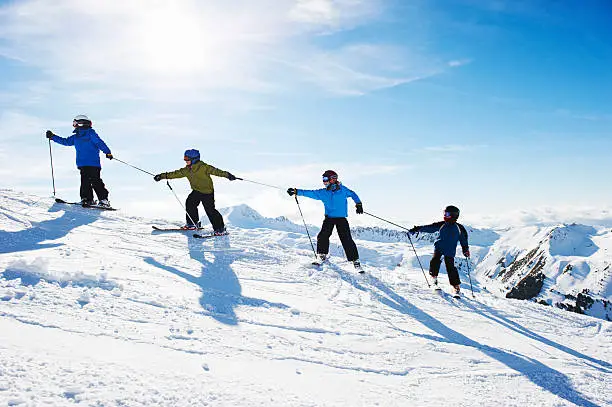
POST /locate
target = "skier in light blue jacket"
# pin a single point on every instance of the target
(334, 197)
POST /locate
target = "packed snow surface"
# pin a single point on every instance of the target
(99, 310)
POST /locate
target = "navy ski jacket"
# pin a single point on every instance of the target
(334, 201)
(449, 234)
(87, 144)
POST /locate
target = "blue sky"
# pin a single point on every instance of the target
(494, 106)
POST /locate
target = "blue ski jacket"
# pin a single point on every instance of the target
(87, 144)
(334, 201)
(449, 234)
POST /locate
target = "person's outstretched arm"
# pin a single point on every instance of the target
(308, 193)
(60, 140)
(432, 228)
(180, 173)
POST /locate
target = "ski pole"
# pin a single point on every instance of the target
(305, 227)
(467, 261)
(52, 174)
(180, 203)
(139, 169)
(260, 183)
(409, 239)
(385, 220)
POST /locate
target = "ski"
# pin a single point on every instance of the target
(174, 229)
(199, 236)
(103, 208)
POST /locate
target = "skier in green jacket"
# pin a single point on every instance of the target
(198, 173)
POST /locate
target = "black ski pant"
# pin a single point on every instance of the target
(451, 270)
(91, 181)
(208, 201)
(344, 232)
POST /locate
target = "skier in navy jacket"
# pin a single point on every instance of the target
(88, 146)
(334, 197)
(450, 232)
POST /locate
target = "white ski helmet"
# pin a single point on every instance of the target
(81, 120)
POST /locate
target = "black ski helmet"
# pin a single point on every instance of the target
(193, 155)
(453, 211)
(330, 174)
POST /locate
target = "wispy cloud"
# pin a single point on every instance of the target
(459, 62)
(545, 215)
(198, 50)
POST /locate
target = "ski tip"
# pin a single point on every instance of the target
(58, 200)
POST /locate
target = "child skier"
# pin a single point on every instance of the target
(198, 173)
(88, 146)
(445, 245)
(334, 197)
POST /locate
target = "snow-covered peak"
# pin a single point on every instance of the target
(566, 265)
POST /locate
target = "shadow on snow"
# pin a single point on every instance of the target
(32, 238)
(220, 287)
(539, 374)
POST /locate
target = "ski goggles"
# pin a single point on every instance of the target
(329, 179)
(187, 159)
(448, 215)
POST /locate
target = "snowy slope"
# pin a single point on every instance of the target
(97, 309)
(568, 266)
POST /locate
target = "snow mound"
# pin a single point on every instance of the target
(243, 216)
(38, 270)
(572, 240)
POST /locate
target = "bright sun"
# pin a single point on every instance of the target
(172, 41)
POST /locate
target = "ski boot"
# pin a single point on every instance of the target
(104, 203)
(220, 232)
(457, 291)
(321, 257)
(358, 267)
(87, 202)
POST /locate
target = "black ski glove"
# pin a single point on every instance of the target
(158, 177)
(292, 191)
(49, 134)
(231, 176)
(415, 229)
(359, 208)
(109, 156)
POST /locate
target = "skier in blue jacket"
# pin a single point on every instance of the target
(88, 146)
(334, 197)
(450, 232)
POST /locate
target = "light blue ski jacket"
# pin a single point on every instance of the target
(334, 201)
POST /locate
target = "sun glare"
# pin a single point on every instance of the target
(173, 42)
